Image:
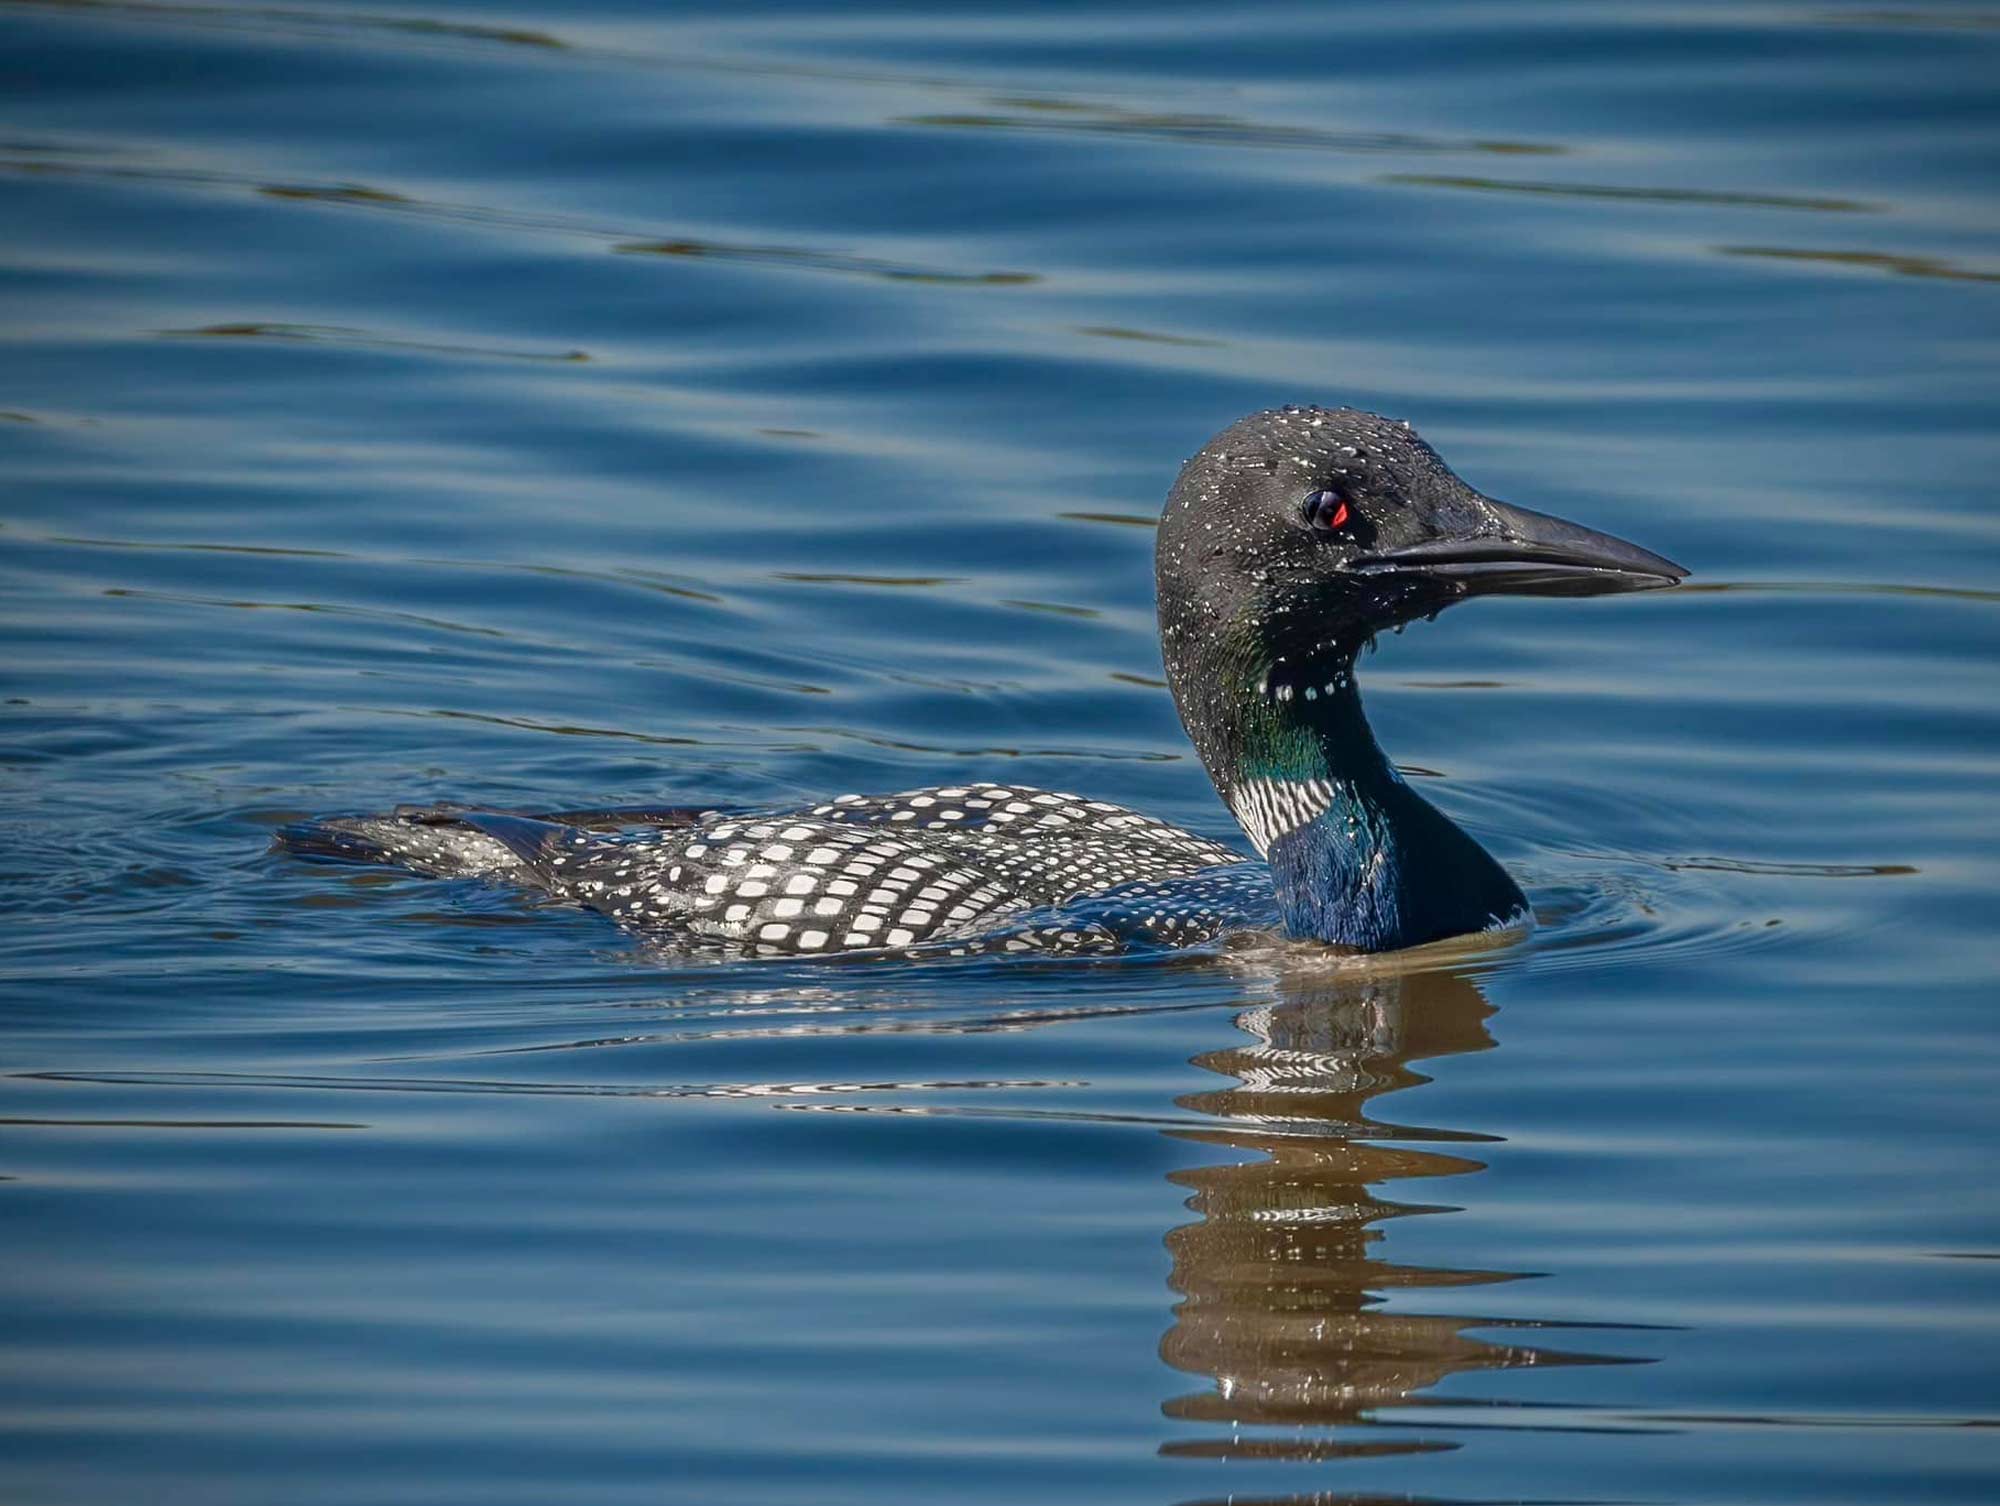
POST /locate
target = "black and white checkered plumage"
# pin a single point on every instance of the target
(954, 870)
(1286, 544)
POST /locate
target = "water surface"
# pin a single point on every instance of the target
(607, 403)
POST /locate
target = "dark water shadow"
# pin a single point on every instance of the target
(1942, 20)
(808, 259)
(1711, 198)
(335, 334)
(1077, 117)
(299, 19)
(1894, 263)
(1283, 1277)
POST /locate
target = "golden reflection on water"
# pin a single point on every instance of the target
(1283, 1275)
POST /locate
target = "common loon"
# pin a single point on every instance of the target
(1291, 539)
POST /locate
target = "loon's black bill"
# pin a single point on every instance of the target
(1527, 553)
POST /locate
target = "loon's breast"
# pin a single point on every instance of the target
(956, 869)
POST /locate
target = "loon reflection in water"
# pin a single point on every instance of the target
(1285, 545)
(1281, 1277)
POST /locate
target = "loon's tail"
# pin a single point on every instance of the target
(445, 841)
(440, 844)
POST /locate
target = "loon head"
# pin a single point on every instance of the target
(1286, 544)
(1322, 526)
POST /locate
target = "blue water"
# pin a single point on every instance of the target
(609, 403)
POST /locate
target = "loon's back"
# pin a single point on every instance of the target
(957, 869)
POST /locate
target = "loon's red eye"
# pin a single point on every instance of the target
(1327, 510)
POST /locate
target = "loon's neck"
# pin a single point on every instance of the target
(1358, 858)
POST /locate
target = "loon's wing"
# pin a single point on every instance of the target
(677, 816)
(943, 865)
(1032, 815)
(1180, 911)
